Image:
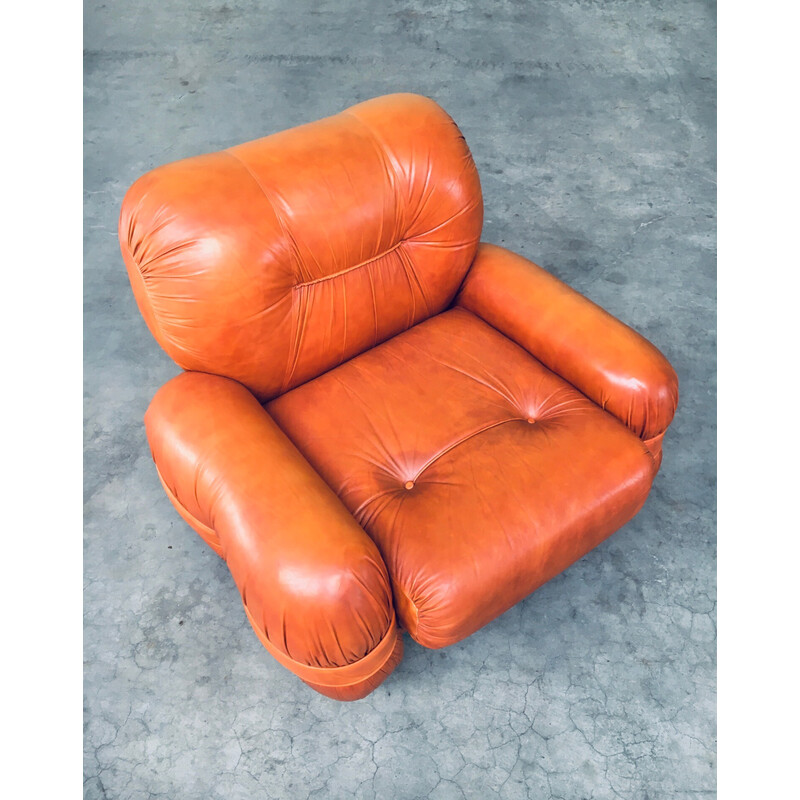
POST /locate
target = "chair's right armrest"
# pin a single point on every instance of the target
(313, 583)
(602, 357)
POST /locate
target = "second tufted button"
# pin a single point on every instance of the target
(409, 484)
(531, 420)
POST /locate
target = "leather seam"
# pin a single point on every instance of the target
(260, 185)
(461, 441)
(349, 269)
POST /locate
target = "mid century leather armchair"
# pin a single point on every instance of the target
(383, 424)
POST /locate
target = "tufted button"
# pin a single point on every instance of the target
(409, 484)
(531, 420)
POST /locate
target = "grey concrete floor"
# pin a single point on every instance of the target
(593, 127)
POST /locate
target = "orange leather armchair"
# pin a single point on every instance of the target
(383, 423)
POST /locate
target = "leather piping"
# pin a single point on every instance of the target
(348, 675)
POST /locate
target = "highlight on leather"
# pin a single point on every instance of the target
(275, 260)
(312, 582)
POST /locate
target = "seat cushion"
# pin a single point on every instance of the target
(478, 472)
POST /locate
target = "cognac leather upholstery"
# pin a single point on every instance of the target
(273, 261)
(383, 423)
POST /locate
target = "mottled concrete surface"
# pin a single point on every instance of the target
(592, 124)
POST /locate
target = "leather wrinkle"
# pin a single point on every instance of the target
(347, 270)
(296, 337)
(547, 407)
(406, 260)
(148, 299)
(176, 248)
(300, 306)
(323, 674)
(302, 313)
(376, 433)
(506, 395)
(419, 238)
(410, 272)
(376, 334)
(383, 150)
(151, 232)
(426, 190)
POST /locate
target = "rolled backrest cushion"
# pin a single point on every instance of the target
(273, 261)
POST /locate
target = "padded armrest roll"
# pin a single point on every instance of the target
(313, 584)
(605, 359)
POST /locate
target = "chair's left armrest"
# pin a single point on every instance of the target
(313, 583)
(601, 356)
